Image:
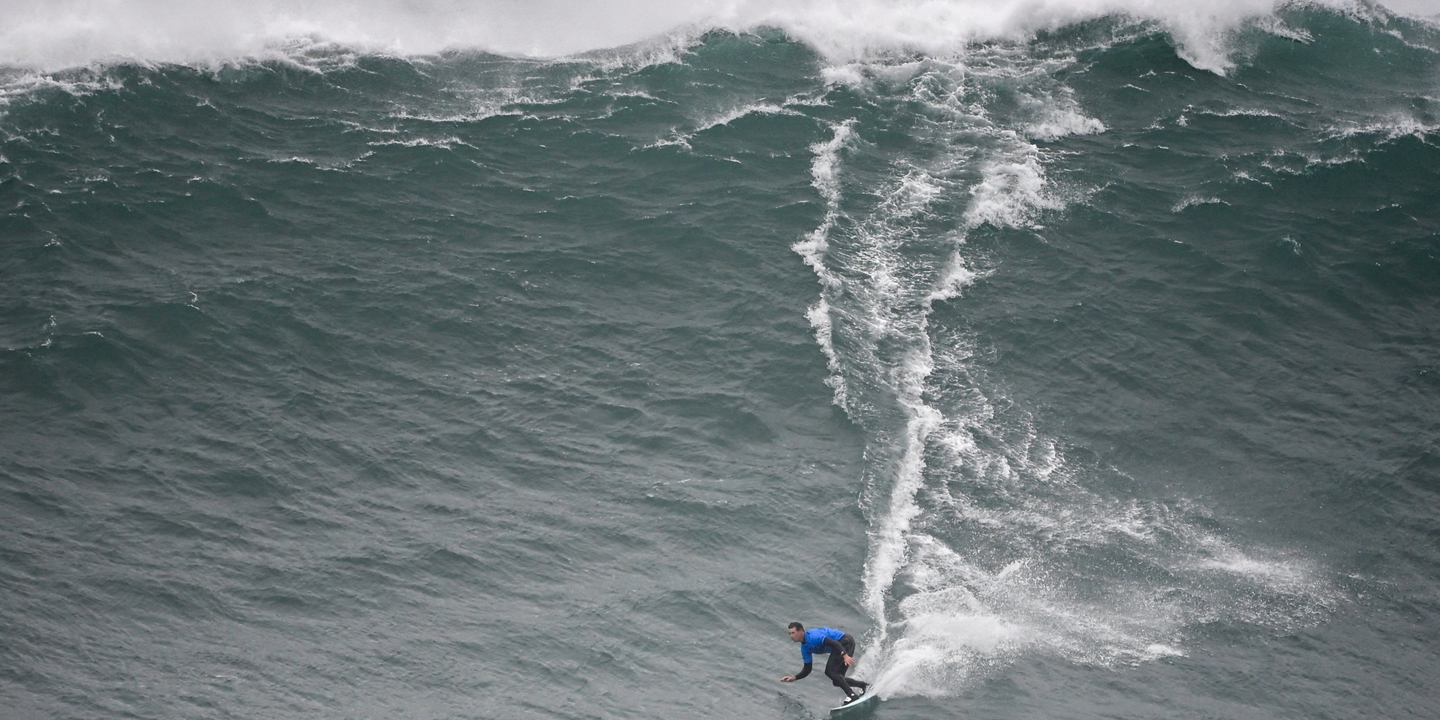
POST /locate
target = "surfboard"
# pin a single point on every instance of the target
(866, 702)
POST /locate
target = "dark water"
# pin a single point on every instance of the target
(1075, 380)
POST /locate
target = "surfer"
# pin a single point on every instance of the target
(841, 647)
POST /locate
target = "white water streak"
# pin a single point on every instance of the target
(940, 615)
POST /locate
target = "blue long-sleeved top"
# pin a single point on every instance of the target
(814, 642)
(819, 640)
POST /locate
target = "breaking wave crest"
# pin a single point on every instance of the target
(74, 33)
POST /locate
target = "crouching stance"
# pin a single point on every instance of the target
(841, 648)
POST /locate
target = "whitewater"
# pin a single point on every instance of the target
(73, 33)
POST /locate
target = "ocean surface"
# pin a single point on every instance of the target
(1082, 362)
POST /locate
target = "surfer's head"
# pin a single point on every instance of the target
(797, 632)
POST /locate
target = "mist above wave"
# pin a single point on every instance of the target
(69, 33)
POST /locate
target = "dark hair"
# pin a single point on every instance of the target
(797, 626)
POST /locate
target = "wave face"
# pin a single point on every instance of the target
(1077, 357)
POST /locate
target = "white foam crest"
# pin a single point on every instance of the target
(819, 317)
(682, 139)
(1283, 574)
(665, 49)
(445, 142)
(957, 277)
(1063, 122)
(1269, 568)
(855, 29)
(1277, 27)
(825, 177)
(914, 193)
(937, 651)
(13, 85)
(1299, 163)
(55, 34)
(485, 111)
(916, 650)
(1012, 190)
(1347, 141)
(1389, 127)
(1238, 112)
(67, 33)
(1190, 201)
(960, 620)
(847, 75)
(825, 170)
(1410, 43)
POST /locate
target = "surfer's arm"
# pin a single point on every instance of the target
(836, 647)
(803, 673)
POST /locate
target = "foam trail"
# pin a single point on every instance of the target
(887, 314)
(985, 542)
(825, 170)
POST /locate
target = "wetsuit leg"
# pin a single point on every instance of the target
(849, 643)
(835, 667)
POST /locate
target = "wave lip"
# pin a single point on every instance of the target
(50, 36)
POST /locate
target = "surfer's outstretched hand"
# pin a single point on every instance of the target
(788, 678)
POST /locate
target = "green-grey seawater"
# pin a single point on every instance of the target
(1073, 379)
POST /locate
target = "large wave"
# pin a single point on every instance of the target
(986, 539)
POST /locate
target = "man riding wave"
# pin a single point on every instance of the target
(841, 648)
